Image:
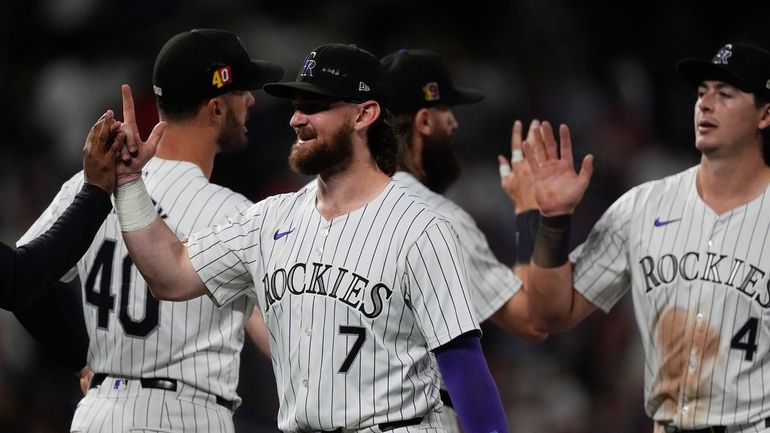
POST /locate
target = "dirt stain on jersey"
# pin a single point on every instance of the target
(688, 350)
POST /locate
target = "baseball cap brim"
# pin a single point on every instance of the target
(290, 90)
(263, 72)
(695, 71)
(464, 95)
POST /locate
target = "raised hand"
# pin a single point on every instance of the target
(101, 150)
(558, 188)
(515, 175)
(137, 152)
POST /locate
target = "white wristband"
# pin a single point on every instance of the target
(134, 206)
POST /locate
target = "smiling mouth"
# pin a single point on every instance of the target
(302, 140)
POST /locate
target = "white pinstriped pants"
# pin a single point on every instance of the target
(123, 406)
(431, 423)
(762, 426)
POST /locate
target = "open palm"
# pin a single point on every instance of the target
(558, 187)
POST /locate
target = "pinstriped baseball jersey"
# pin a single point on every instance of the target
(491, 283)
(131, 333)
(353, 305)
(701, 294)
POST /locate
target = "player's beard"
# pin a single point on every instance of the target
(440, 163)
(324, 157)
(231, 137)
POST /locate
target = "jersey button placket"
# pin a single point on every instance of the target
(693, 361)
(323, 233)
(304, 337)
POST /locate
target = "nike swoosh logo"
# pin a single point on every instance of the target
(279, 234)
(661, 223)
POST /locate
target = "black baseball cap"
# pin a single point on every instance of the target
(420, 79)
(203, 63)
(742, 65)
(339, 71)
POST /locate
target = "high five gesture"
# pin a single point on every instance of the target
(558, 187)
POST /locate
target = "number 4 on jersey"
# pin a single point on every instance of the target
(746, 338)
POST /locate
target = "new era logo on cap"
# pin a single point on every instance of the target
(363, 87)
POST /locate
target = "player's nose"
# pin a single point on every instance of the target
(298, 119)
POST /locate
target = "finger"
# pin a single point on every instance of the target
(125, 154)
(516, 136)
(100, 135)
(549, 141)
(566, 143)
(132, 138)
(535, 146)
(129, 115)
(156, 134)
(528, 149)
(504, 167)
(115, 126)
(533, 127)
(117, 144)
(586, 169)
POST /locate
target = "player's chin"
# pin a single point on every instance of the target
(705, 145)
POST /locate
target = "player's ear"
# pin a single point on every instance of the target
(764, 116)
(214, 107)
(423, 121)
(368, 113)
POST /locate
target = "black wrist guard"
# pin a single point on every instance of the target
(552, 241)
(526, 229)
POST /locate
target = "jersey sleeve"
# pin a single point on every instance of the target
(38, 264)
(491, 283)
(601, 264)
(58, 205)
(437, 287)
(224, 254)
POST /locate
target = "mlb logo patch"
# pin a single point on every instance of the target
(222, 76)
(430, 92)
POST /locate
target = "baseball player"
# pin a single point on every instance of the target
(32, 268)
(165, 366)
(361, 285)
(424, 97)
(691, 247)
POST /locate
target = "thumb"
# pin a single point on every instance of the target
(156, 134)
(586, 169)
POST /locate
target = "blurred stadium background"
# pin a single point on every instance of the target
(606, 68)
